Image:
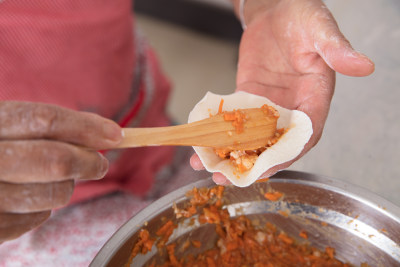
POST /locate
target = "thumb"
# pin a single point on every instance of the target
(337, 52)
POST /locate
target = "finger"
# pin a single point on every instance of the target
(334, 48)
(26, 198)
(43, 161)
(315, 97)
(25, 120)
(13, 225)
(196, 163)
(270, 172)
(220, 179)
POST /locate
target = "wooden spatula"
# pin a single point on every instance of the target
(215, 131)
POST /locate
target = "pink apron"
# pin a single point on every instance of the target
(86, 55)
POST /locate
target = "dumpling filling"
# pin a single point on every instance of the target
(244, 160)
(242, 168)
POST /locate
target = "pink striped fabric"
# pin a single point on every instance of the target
(84, 55)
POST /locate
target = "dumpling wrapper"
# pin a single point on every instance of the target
(287, 148)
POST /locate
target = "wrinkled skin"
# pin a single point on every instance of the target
(289, 53)
(44, 149)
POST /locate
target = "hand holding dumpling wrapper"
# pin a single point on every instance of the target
(297, 125)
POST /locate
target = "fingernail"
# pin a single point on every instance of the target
(369, 61)
(359, 55)
(112, 131)
(196, 164)
(219, 179)
(104, 166)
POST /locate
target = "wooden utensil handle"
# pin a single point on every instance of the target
(137, 137)
(211, 132)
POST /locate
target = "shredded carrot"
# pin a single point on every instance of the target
(210, 262)
(242, 168)
(241, 242)
(283, 213)
(237, 117)
(330, 251)
(229, 116)
(262, 180)
(303, 234)
(196, 243)
(273, 196)
(270, 111)
(166, 228)
(185, 245)
(165, 232)
(222, 152)
(143, 245)
(218, 191)
(244, 160)
(171, 254)
(220, 106)
(282, 236)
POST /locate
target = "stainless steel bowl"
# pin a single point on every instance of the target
(360, 225)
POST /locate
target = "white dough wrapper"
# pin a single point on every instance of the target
(287, 148)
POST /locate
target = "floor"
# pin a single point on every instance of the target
(195, 63)
(361, 138)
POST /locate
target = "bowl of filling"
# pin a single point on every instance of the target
(291, 219)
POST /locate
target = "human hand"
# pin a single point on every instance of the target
(43, 150)
(289, 53)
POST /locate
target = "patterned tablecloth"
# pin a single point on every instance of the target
(73, 235)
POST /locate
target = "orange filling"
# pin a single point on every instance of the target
(273, 196)
(237, 118)
(240, 242)
(244, 160)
